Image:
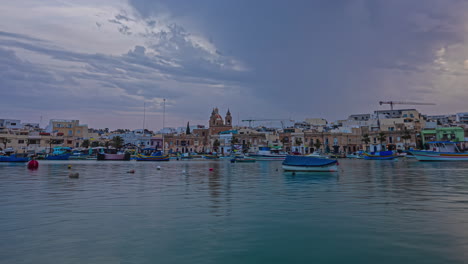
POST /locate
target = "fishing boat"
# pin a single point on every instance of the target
(14, 158)
(242, 159)
(114, 156)
(210, 156)
(381, 155)
(59, 153)
(154, 156)
(309, 164)
(78, 155)
(441, 151)
(355, 155)
(267, 154)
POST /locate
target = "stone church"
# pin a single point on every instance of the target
(217, 124)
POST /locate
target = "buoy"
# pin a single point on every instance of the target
(158, 167)
(33, 164)
(69, 167)
(211, 169)
(75, 175)
(131, 171)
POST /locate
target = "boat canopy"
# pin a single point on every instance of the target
(307, 161)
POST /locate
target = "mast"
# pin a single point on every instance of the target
(164, 120)
(144, 116)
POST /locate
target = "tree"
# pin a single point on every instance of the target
(298, 141)
(187, 131)
(317, 144)
(366, 140)
(117, 142)
(406, 136)
(216, 144)
(85, 143)
(382, 138)
(5, 141)
(95, 144)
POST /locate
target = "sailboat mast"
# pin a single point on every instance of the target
(164, 120)
(144, 116)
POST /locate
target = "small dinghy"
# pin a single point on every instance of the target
(309, 164)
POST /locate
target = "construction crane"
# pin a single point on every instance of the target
(256, 120)
(391, 103)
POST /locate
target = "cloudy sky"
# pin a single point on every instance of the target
(102, 61)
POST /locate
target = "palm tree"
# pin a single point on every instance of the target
(317, 144)
(117, 142)
(406, 136)
(366, 140)
(382, 138)
(85, 143)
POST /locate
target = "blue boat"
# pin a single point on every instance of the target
(60, 153)
(382, 155)
(13, 158)
(309, 164)
(155, 156)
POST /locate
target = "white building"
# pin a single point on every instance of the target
(11, 123)
(462, 118)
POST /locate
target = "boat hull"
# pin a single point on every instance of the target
(106, 156)
(329, 168)
(439, 156)
(268, 157)
(152, 158)
(13, 159)
(380, 157)
(58, 157)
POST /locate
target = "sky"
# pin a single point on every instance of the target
(107, 62)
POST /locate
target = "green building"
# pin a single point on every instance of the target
(455, 134)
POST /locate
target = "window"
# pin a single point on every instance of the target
(70, 132)
(20, 141)
(78, 131)
(390, 139)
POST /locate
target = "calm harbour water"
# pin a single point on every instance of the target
(370, 212)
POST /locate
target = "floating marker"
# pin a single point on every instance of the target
(33, 164)
(131, 171)
(158, 167)
(69, 167)
(211, 169)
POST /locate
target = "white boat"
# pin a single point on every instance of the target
(317, 154)
(309, 164)
(441, 151)
(266, 154)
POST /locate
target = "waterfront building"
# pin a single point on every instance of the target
(455, 134)
(442, 120)
(10, 124)
(73, 132)
(462, 118)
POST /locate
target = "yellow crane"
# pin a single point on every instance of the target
(391, 103)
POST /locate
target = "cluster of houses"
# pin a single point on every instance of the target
(383, 129)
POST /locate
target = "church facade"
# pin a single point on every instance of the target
(217, 124)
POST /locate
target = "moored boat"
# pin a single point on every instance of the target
(381, 155)
(212, 157)
(441, 151)
(59, 153)
(155, 156)
(242, 159)
(14, 158)
(113, 156)
(266, 154)
(309, 164)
